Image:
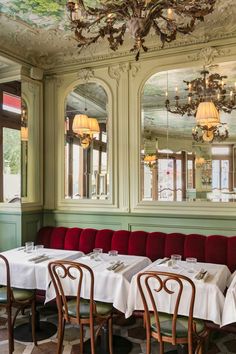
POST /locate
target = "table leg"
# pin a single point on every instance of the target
(121, 345)
(43, 330)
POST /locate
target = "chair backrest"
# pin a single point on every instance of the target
(8, 281)
(62, 274)
(151, 283)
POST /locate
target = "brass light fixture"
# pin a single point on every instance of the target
(24, 131)
(85, 128)
(111, 19)
(150, 160)
(208, 126)
(208, 87)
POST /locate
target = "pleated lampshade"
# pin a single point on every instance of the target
(93, 126)
(207, 114)
(81, 124)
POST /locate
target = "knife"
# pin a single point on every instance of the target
(164, 260)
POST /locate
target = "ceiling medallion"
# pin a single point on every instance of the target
(111, 19)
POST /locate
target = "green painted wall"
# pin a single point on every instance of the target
(201, 224)
(10, 229)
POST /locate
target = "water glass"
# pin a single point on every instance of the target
(191, 264)
(38, 249)
(175, 259)
(29, 247)
(97, 254)
(113, 253)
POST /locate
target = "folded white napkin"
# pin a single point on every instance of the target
(201, 275)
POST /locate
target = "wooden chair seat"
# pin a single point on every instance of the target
(166, 323)
(102, 308)
(18, 294)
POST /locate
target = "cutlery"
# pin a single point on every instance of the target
(201, 275)
(119, 267)
(42, 259)
(114, 266)
(20, 248)
(36, 258)
(164, 260)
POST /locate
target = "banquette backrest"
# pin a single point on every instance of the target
(211, 249)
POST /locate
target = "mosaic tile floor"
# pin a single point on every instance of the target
(132, 330)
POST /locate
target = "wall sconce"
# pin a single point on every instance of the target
(85, 128)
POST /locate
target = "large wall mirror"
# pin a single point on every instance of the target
(87, 143)
(10, 142)
(187, 149)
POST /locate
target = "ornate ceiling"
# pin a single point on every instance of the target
(38, 31)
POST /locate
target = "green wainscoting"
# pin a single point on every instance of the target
(201, 224)
(32, 221)
(10, 229)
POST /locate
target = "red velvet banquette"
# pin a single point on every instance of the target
(211, 249)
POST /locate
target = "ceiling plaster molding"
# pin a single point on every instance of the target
(207, 55)
(115, 71)
(85, 74)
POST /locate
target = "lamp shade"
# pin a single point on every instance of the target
(207, 114)
(24, 133)
(93, 126)
(80, 124)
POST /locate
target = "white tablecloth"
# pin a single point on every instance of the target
(109, 286)
(209, 300)
(229, 310)
(27, 274)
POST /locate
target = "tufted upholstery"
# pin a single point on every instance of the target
(212, 249)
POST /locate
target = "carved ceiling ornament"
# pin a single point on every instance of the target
(85, 74)
(115, 71)
(207, 55)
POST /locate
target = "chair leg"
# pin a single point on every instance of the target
(110, 335)
(60, 332)
(33, 317)
(81, 337)
(92, 338)
(161, 350)
(10, 331)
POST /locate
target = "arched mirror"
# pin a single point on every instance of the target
(10, 142)
(87, 143)
(188, 135)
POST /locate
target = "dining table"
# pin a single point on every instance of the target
(112, 279)
(229, 310)
(29, 270)
(209, 298)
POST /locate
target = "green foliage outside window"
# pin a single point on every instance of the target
(12, 150)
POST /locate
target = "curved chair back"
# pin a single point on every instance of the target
(62, 274)
(151, 283)
(8, 281)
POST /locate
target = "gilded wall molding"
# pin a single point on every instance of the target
(207, 55)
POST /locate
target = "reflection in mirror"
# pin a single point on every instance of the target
(24, 147)
(10, 143)
(176, 163)
(86, 143)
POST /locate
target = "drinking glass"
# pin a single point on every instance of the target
(191, 264)
(113, 253)
(175, 259)
(97, 254)
(38, 249)
(29, 247)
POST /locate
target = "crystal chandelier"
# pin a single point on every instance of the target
(209, 87)
(111, 19)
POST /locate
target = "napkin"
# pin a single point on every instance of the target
(201, 275)
(115, 266)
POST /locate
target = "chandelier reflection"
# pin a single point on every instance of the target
(85, 128)
(209, 128)
(208, 87)
(24, 131)
(111, 19)
(150, 160)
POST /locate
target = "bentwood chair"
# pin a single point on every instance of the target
(15, 298)
(77, 310)
(164, 327)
